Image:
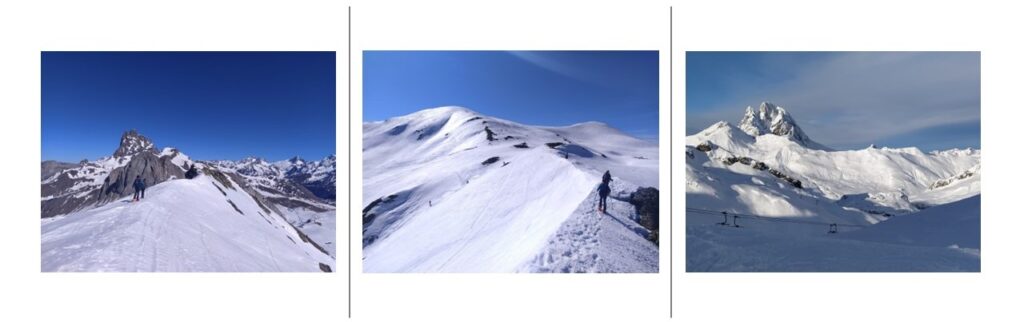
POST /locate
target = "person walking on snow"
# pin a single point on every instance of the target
(603, 191)
(140, 188)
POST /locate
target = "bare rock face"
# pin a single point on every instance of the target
(645, 200)
(149, 166)
(50, 168)
(76, 188)
(132, 143)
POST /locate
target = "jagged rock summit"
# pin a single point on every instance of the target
(132, 142)
(773, 119)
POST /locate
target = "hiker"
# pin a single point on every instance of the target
(140, 188)
(192, 172)
(603, 190)
(607, 176)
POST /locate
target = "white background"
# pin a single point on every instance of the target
(25, 30)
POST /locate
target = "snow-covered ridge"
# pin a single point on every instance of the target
(838, 173)
(451, 190)
(91, 198)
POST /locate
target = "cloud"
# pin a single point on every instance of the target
(551, 63)
(854, 99)
(618, 70)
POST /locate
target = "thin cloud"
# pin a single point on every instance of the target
(549, 63)
(854, 99)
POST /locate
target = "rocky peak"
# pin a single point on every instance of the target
(773, 119)
(328, 161)
(132, 143)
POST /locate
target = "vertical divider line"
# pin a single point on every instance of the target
(348, 54)
(670, 105)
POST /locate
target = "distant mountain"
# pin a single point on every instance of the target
(770, 119)
(49, 168)
(451, 190)
(317, 176)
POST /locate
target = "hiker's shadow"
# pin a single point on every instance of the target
(636, 229)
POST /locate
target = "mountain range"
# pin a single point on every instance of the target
(248, 215)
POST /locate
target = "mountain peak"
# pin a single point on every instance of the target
(132, 142)
(252, 159)
(773, 119)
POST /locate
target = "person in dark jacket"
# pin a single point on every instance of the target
(140, 188)
(603, 191)
(607, 177)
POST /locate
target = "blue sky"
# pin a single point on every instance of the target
(845, 100)
(554, 88)
(211, 105)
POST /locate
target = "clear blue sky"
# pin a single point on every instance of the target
(554, 88)
(845, 100)
(211, 105)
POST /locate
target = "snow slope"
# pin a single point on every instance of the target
(181, 226)
(943, 238)
(434, 204)
(787, 191)
(957, 224)
(714, 248)
(291, 198)
(837, 173)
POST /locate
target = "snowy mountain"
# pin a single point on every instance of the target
(98, 182)
(767, 169)
(49, 168)
(246, 215)
(450, 190)
(772, 119)
(317, 176)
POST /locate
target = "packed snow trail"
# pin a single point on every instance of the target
(182, 225)
(593, 242)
